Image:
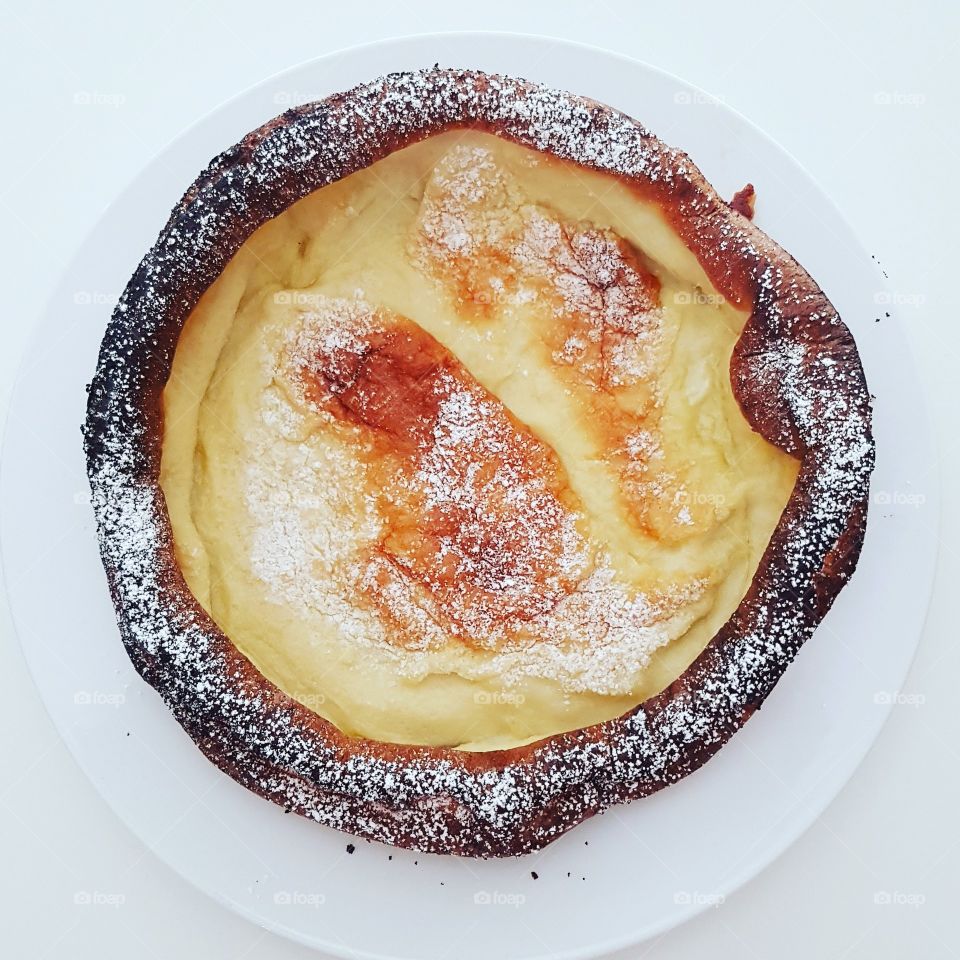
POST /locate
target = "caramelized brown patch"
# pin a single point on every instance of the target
(479, 523)
(597, 307)
(605, 304)
(386, 381)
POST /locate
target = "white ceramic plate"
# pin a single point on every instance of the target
(621, 877)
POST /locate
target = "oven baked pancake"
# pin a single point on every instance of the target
(451, 451)
(463, 464)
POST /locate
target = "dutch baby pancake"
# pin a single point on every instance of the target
(463, 464)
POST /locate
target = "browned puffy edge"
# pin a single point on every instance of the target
(810, 399)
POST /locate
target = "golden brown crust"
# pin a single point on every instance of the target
(795, 372)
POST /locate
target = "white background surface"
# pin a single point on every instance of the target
(865, 97)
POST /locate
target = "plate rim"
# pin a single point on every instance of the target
(797, 825)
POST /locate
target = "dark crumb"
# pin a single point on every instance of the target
(744, 201)
(389, 856)
(350, 848)
(887, 315)
(128, 733)
(441, 883)
(586, 843)
(415, 862)
(876, 319)
(568, 873)
(534, 874)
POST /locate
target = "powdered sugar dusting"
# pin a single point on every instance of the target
(477, 232)
(553, 608)
(479, 236)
